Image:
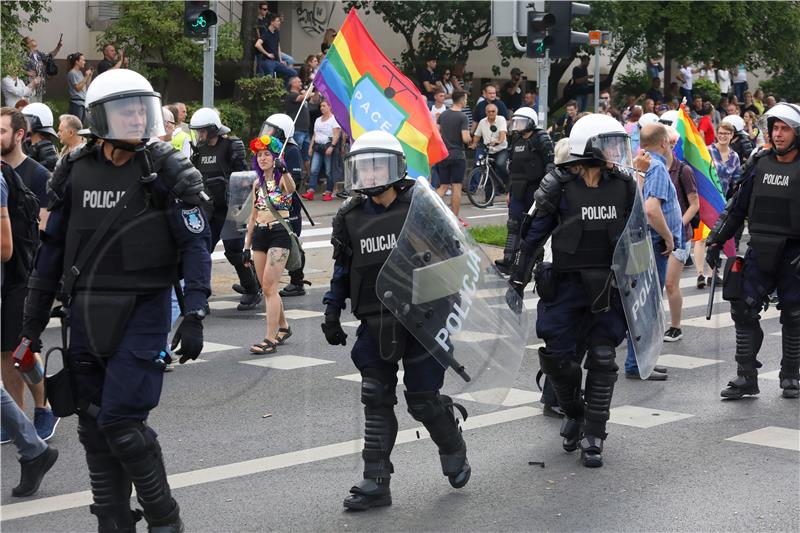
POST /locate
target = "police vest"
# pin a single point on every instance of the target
(138, 253)
(45, 153)
(591, 225)
(775, 200)
(526, 165)
(372, 238)
(213, 164)
(178, 139)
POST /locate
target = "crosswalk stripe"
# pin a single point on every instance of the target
(723, 320)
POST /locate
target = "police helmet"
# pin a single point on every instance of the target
(786, 113)
(647, 118)
(208, 119)
(669, 118)
(376, 161)
(121, 104)
(40, 118)
(278, 125)
(596, 139)
(736, 121)
(524, 119)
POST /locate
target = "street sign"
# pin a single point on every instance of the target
(595, 38)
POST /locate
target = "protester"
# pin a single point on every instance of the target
(705, 124)
(294, 106)
(454, 127)
(491, 132)
(748, 105)
(439, 106)
(740, 82)
(632, 126)
(77, 82)
(326, 138)
(68, 128)
(15, 89)
(654, 68)
(726, 161)
(267, 236)
(511, 92)
(686, 78)
(111, 60)
(327, 40)
(724, 80)
(36, 66)
(563, 127)
(309, 70)
(449, 85)
(489, 96)
(33, 174)
(751, 128)
(179, 139)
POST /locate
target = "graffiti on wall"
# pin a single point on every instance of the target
(314, 17)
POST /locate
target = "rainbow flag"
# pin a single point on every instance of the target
(692, 149)
(367, 92)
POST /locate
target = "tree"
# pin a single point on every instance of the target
(151, 34)
(12, 24)
(446, 30)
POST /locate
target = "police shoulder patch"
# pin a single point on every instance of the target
(193, 220)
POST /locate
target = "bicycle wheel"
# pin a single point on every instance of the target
(480, 188)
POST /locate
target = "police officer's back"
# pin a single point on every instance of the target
(40, 126)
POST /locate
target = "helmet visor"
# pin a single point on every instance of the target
(271, 130)
(788, 114)
(613, 148)
(372, 169)
(520, 123)
(131, 117)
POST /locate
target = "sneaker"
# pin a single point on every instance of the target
(45, 422)
(309, 195)
(4, 438)
(327, 197)
(448, 192)
(673, 334)
(464, 223)
(701, 282)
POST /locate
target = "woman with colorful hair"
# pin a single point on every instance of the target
(267, 236)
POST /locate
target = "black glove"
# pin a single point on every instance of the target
(332, 328)
(712, 255)
(280, 166)
(190, 336)
(247, 256)
(514, 297)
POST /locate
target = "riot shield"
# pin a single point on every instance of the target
(442, 287)
(240, 204)
(635, 271)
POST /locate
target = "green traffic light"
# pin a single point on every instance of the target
(199, 23)
(540, 48)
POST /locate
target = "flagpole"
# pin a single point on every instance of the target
(297, 115)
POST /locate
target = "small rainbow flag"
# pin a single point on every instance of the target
(693, 150)
(367, 92)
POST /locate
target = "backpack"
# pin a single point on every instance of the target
(23, 210)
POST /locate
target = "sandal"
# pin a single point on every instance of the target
(282, 339)
(264, 347)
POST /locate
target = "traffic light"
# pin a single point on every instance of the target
(539, 38)
(563, 37)
(197, 18)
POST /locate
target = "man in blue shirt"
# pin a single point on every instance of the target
(663, 213)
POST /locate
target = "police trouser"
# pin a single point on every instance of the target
(755, 285)
(567, 325)
(120, 448)
(233, 250)
(423, 378)
(296, 277)
(517, 208)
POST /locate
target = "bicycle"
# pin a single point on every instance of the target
(483, 183)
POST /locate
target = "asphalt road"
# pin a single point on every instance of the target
(257, 443)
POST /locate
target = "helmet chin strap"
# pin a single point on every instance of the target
(128, 147)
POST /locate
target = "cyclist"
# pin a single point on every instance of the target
(490, 135)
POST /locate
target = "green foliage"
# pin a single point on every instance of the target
(631, 83)
(706, 89)
(494, 235)
(262, 96)
(151, 33)
(785, 84)
(16, 17)
(446, 30)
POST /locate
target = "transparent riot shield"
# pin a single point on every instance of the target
(445, 290)
(635, 271)
(240, 204)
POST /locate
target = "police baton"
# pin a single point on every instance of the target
(303, 207)
(713, 289)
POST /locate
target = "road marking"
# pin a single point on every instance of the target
(287, 362)
(515, 397)
(775, 374)
(357, 376)
(772, 436)
(316, 244)
(487, 216)
(221, 305)
(723, 320)
(642, 417)
(62, 502)
(685, 362)
(296, 314)
(316, 232)
(351, 324)
(211, 347)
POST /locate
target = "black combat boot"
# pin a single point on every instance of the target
(592, 451)
(790, 362)
(743, 385)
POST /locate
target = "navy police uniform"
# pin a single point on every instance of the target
(294, 163)
(530, 158)
(44, 152)
(364, 233)
(120, 313)
(769, 198)
(576, 294)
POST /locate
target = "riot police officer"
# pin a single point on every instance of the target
(216, 156)
(584, 203)
(376, 169)
(40, 127)
(123, 216)
(742, 144)
(281, 126)
(530, 158)
(769, 197)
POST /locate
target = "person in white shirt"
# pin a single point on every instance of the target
(740, 83)
(14, 89)
(492, 130)
(686, 78)
(439, 105)
(724, 79)
(709, 73)
(324, 141)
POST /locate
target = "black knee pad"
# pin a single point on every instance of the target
(602, 359)
(377, 390)
(743, 315)
(513, 226)
(790, 318)
(424, 406)
(129, 439)
(435, 411)
(557, 367)
(90, 436)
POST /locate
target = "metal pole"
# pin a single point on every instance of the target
(544, 75)
(597, 79)
(209, 50)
